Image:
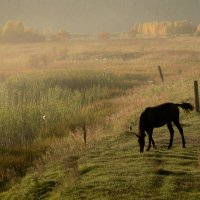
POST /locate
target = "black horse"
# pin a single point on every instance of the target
(158, 116)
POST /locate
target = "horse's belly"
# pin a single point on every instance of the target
(159, 124)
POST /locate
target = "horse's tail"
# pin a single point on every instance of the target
(187, 107)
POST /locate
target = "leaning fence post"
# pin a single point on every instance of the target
(161, 74)
(196, 95)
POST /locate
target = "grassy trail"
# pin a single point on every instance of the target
(116, 170)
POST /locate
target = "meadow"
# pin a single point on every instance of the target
(65, 113)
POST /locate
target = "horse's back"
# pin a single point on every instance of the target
(169, 108)
(162, 114)
(166, 108)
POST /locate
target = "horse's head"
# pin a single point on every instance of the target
(141, 141)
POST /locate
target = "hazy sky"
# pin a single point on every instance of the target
(91, 16)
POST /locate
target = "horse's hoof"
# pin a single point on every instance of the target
(169, 147)
(148, 149)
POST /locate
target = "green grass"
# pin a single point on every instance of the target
(115, 169)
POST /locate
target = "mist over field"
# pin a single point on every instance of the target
(91, 16)
(75, 76)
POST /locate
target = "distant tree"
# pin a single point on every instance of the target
(17, 32)
(197, 32)
(133, 31)
(61, 35)
(183, 27)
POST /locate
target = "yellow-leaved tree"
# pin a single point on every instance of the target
(164, 28)
(13, 31)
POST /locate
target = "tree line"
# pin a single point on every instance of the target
(165, 28)
(15, 32)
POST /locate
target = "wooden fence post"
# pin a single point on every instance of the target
(196, 95)
(161, 74)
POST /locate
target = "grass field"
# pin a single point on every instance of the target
(114, 168)
(98, 88)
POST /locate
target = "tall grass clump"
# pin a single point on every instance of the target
(34, 107)
(39, 105)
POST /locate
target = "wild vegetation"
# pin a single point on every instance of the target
(55, 97)
(18, 32)
(38, 106)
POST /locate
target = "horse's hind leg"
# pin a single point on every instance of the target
(171, 130)
(177, 123)
(154, 145)
(150, 132)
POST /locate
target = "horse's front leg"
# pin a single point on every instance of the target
(150, 132)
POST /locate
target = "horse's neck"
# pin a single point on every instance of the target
(142, 124)
(141, 130)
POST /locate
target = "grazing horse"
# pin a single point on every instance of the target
(158, 116)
